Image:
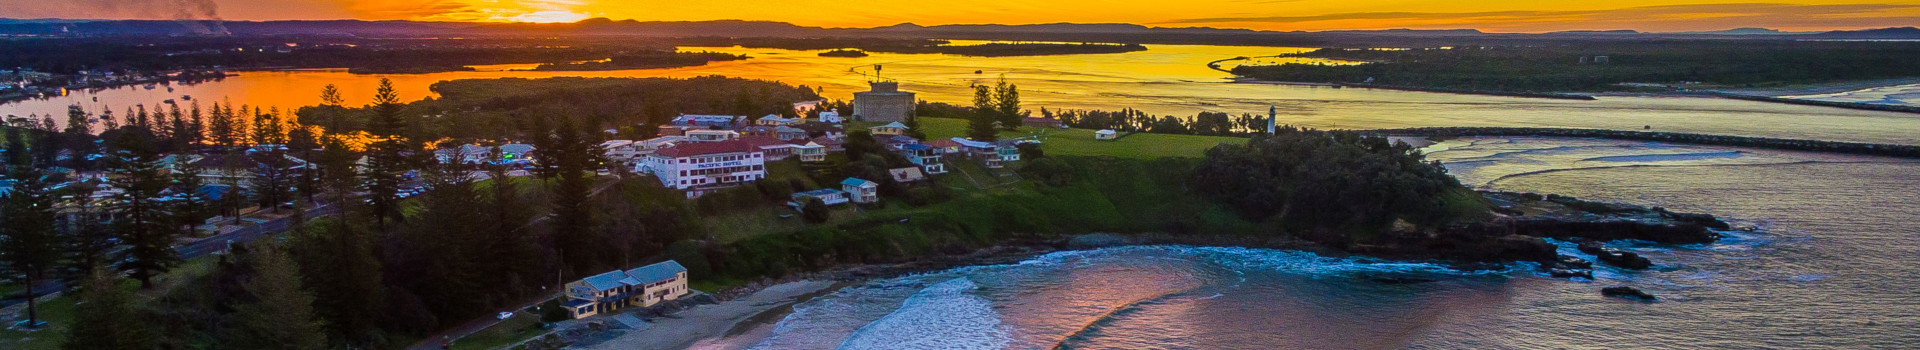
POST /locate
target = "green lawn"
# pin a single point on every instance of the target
(523, 326)
(1080, 142)
(58, 312)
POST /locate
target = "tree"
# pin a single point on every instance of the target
(302, 142)
(1006, 104)
(572, 226)
(107, 320)
(85, 240)
(17, 153)
(141, 219)
(386, 158)
(330, 95)
(337, 261)
(509, 253)
(191, 207)
(815, 211)
(980, 125)
(282, 314)
(431, 257)
(27, 241)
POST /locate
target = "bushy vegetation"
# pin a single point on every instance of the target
(1319, 180)
(492, 109)
(645, 60)
(1571, 67)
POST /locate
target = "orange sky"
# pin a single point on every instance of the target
(1496, 15)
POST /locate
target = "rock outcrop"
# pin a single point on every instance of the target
(1627, 293)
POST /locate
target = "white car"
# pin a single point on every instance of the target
(505, 315)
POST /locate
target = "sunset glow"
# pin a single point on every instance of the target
(1311, 15)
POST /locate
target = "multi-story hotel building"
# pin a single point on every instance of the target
(697, 166)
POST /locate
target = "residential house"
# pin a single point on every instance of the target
(773, 148)
(831, 117)
(893, 143)
(834, 145)
(986, 152)
(788, 133)
(1009, 150)
(777, 120)
(826, 196)
(465, 154)
(945, 146)
(1040, 122)
(625, 152)
(676, 130)
(723, 121)
(894, 128)
(516, 153)
(711, 135)
(810, 151)
(906, 175)
(613, 290)
(927, 157)
(861, 190)
(836, 131)
(699, 166)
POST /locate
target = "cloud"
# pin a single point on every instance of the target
(1645, 18)
(146, 9)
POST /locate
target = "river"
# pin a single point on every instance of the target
(1828, 267)
(1164, 80)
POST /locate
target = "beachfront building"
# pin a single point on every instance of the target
(613, 290)
(885, 103)
(927, 157)
(861, 190)
(698, 166)
(826, 196)
(1106, 134)
(890, 129)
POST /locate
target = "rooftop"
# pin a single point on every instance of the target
(692, 149)
(657, 272)
(857, 182)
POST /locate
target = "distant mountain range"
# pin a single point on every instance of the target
(736, 28)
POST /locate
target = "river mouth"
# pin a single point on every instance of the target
(1163, 80)
(1817, 272)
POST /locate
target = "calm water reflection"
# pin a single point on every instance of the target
(1166, 79)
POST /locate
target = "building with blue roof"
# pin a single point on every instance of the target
(613, 290)
(860, 190)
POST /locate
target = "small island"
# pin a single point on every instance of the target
(408, 69)
(844, 53)
(1622, 66)
(647, 60)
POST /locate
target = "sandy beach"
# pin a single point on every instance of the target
(709, 325)
(1821, 89)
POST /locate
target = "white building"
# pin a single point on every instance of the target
(831, 117)
(711, 135)
(1105, 134)
(861, 190)
(697, 166)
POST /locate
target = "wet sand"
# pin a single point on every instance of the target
(712, 326)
